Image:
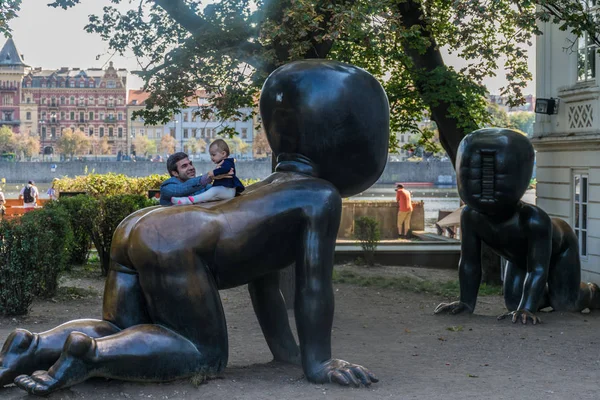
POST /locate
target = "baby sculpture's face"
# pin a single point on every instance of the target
(493, 169)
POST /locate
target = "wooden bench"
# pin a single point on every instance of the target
(14, 207)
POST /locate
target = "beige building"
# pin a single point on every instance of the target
(567, 137)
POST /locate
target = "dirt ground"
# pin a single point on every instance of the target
(415, 354)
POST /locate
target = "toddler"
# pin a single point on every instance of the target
(222, 189)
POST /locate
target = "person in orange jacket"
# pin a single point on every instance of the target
(405, 210)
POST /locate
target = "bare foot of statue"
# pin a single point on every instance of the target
(521, 315)
(343, 373)
(70, 369)
(17, 355)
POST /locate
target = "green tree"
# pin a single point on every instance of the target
(229, 47)
(71, 143)
(197, 146)
(144, 146)
(523, 120)
(28, 145)
(8, 11)
(260, 144)
(167, 144)
(8, 141)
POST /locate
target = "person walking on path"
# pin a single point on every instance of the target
(405, 210)
(29, 194)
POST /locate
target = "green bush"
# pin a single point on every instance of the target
(17, 280)
(50, 238)
(109, 211)
(33, 252)
(366, 230)
(81, 214)
(110, 184)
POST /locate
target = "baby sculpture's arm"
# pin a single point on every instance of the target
(469, 268)
(314, 296)
(539, 253)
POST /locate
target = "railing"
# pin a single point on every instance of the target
(112, 120)
(10, 121)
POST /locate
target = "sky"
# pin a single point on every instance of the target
(52, 38)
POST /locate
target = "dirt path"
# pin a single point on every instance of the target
(415, 354)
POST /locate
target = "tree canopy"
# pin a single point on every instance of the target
(230, 47)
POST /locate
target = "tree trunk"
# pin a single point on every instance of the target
(490, 266)
(426, 63)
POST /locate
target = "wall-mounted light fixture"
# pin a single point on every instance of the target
(546, 106)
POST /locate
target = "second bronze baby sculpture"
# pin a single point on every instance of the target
(493, 169)
(162, 319)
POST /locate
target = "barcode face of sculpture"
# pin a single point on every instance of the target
(328, 123)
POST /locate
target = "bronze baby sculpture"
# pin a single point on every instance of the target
(328, 123)
(493, 168)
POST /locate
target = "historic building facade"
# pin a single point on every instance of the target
(567, 137)
(44, 103)
(12, 70)
(192, 134)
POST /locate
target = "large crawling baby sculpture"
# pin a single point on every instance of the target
(162, 315)
(493, 169)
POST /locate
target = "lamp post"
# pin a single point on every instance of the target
(43, 137)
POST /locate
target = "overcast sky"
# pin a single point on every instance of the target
(53, 38)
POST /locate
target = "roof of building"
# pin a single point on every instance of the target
(9, 55)
(137, 97)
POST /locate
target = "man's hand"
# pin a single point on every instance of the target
(228, 175)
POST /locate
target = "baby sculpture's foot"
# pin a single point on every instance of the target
(17, 356)
(72, 367)
(178, 201)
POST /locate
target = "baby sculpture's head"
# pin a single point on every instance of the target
(335, 114)
(493, 168)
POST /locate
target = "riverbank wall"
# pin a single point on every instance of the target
(434, 172)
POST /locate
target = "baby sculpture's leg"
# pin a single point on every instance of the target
(25, 352)
(189, 336)
(514, 278)
(565, 289)
(272, 315)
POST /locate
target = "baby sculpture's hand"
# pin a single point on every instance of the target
(522, 315)
(455, 307)
(343, 373)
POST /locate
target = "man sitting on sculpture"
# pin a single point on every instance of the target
(183, 180)
(223, 189)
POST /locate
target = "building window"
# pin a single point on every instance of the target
(62, 115)
(91, 84)
(101, 116)
(120, 116)
(91, 131)
(72, 100)
(81, 84)
(202, 132)
(28, 116)
(133, 132)
(580, 212)
(185, 117)
(194, 133)
(120, 132)
(101, 131)
(63, 101)
(7, 100)
(111, 84)
(43, 132)
(111, 131)
(72, 115)
(244, 133)
(91, 101)
(172, 132)
(185, 133)
(81, 116)
(53, 132)
(43, 100)
(586, 49)
(72, 84)
(91, 116)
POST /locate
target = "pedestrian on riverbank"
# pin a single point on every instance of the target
(29, 194)
(52, 192)
(405, 210)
